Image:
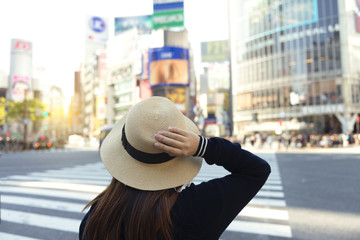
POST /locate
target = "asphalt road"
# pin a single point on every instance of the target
(308, 196)
(322, 193)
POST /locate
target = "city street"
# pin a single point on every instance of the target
(309, 195)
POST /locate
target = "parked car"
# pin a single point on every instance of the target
(43, 143)
(103, 133)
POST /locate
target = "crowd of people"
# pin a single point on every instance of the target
(286, 141)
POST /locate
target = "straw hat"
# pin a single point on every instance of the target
(129, 154)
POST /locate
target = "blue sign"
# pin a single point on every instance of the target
(169, 66)
(97, 24)
(168, 6)
(156, 54)
(142, 23)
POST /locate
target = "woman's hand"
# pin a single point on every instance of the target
(177, 142)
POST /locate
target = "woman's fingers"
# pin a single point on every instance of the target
(178, 131)
(177, 142)
(170, 139)
(168, 149)
(173, 135)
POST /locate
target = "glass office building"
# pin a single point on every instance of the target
(295, 65)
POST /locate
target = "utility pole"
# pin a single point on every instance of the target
(230, 111)
(25, 119)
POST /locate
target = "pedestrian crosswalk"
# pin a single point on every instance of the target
(52, 201)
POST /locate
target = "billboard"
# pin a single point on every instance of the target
(100, 107)
(145, 89)
(215, 51)
(168, 13)
(97, 29)
(169, 66)
(20, 76)
(142, 23)
(19, 87)
(357, 16)
(177, 94)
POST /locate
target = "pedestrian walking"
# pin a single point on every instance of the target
(152, 153)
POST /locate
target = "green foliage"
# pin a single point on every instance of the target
(16, 110)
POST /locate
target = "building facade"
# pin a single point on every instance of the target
(295, 66)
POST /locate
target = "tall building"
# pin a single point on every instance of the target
(295, 65)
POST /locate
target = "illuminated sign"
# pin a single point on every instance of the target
(97, 24)
(20, 85)
(142, 23)
(169, 66)
(168, 14)
(22, 45)
(214, 51)
(96, 29)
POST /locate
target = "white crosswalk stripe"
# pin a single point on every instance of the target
(53, 200)
(266, 214)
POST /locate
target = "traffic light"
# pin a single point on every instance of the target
(45, 114)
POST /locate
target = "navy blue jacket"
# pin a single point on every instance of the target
(204, 211)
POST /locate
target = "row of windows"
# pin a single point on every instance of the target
(327, 36)
(301, 63)
(273, 16)
(124, 85)
(355, 93)
(314, 93)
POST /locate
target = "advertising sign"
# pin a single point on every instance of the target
(145, 89)
(20, 85)
(100, 107)
(97, 29)
(20, 76)
(142, 23)
(169, 66)
(178, 96)
(168, 13)
(102, 66)
(357, 15)
(215, 51)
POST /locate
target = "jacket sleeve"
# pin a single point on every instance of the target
(213, 205)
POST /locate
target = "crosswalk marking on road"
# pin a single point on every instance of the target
(42, 203)
(268, 206)
(52, 193)
(40, 220)
(9, 236)
(261, 228)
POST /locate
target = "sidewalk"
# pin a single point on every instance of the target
(83, 146)
(267, 149)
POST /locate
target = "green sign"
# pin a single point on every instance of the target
(168, 19)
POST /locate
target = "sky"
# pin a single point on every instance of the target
(57, 29)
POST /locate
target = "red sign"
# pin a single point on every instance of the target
(357, 16)
(22, 45)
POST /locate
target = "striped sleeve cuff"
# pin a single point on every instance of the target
(202, 147)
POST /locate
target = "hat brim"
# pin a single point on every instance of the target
(151, 177)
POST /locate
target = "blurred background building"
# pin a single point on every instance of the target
(288, 67)
(295, 65)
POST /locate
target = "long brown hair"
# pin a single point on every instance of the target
(123, 212)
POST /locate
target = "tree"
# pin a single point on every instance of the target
(16, 110)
